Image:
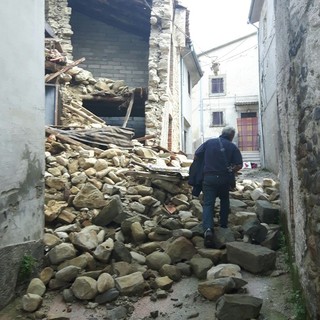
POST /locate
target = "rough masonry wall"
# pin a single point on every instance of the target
(163, 107)
(58, 15)
(268, 89)
(22, 139)
(298, 80)
(110, 52)
(157, 108)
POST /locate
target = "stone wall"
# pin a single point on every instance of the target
(58, 16)
(268, 86)
(110, 52)
(114, 54)
(163, 104)
(298, 72)
(22, 139)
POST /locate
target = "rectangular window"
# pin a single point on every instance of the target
(217, 118)
(217, 85)
(248, 114)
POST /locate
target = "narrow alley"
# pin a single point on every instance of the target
(104, 104)
(139, 250)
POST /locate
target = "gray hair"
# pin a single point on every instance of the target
(228, 132)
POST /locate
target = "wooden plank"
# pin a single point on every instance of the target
(154, 176)
(128, 111)
(69, 140)
(64, 69)
(150, 136)
(84, 114)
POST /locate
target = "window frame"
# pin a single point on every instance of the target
(223, 77)
(221, 124)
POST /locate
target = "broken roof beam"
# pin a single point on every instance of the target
(85, 113)
(129, 109)
(52, 76)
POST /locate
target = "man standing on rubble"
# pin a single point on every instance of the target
(221, 160)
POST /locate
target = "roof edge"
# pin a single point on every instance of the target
(255, 11)
(226, 44)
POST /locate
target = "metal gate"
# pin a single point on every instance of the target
(248, 137)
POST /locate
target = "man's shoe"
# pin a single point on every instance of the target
(208, 238)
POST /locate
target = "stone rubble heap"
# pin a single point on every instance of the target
(77, 84)
(115, 229)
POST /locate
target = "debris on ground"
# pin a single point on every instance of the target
(122, 224)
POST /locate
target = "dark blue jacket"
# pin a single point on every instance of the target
(214, 159)
(196, 175)
(210, 159)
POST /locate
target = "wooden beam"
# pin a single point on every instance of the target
(71, 141)
(128, 111)
(64, 69)
(150, 136)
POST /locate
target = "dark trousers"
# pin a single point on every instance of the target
(215, 186)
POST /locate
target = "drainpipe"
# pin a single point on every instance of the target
(260, 103)
(201, 112)
(181, 107)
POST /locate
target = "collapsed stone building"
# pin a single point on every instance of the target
(146, 48)
(138, 67)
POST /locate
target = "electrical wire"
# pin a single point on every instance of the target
(232, 57)
(233, 48)
(189, 38)
(238, 54)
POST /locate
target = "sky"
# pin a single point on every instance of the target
(215, 22)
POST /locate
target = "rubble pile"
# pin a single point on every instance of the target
(123, 223)
(78, 84)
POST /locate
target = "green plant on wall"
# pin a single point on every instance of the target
(27, 266)
(296, 299)
(299, 305)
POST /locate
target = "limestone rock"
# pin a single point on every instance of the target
(238, 306)
(164, 283)
(253, 258)
(31, 302)
(61, 252)
(36, 286)
(200, 266)
(105, 282)
(84, 288)
(131, 284)
(104, 250)
(224, 270)
(214, 289)
(68, 273)
(181, 249)
(156, 260)
(267, 212)
(112, 208)
(46, 274)
(89, 197)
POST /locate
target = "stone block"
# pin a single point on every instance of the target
(267, 212)
(238, 306)
(253, 258)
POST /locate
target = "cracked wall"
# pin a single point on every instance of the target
(22, 139)
(298, 80)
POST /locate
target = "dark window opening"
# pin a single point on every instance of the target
(189, 84)
(248, 114)
(217, 118)
(217, 85)
(114, 114)
(52, 105)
